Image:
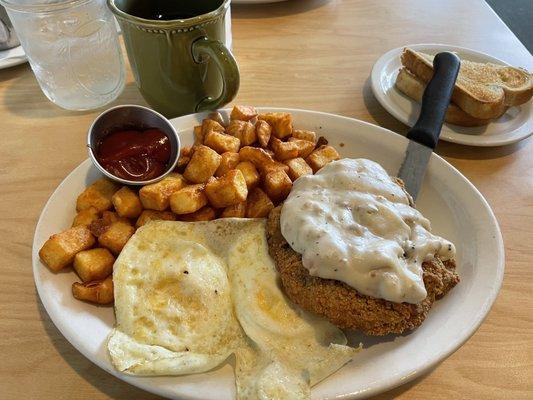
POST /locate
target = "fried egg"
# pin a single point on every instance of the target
(188, 295)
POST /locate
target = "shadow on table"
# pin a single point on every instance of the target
(444, 149)
(100, 379)
(279, 9)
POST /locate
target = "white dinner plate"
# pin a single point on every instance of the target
(516, 124)
(12, 57)
(454, 206)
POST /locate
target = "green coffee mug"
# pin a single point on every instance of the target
(178, 54)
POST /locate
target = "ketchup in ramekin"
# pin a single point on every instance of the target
(135, 155)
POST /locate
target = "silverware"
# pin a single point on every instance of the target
(132, 117)
(424, 135)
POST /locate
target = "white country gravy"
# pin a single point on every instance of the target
(351, 222)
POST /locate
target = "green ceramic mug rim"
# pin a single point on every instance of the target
(171, 23)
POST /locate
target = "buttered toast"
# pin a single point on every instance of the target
(482, 90)
(411, 86)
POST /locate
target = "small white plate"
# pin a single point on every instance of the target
(12, 57)
(516, 124)
(456, 209)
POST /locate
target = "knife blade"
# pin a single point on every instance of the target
(424, 134)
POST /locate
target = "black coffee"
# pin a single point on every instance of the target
(165, 10)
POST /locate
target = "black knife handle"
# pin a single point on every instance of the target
(436, 100)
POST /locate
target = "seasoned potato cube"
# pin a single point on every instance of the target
(100, 225)
(156, 195)
(244, 131)
(251, 176)
(127, 203)
(198, 135)
(220, 142)
(305, 147)
(85, 217)
(227, 190)
(99, 292)
(277, 185)
(216, 116)
(116, 236)
(298, 167)
(153, 215)
(322, 156)
(284, 150)
(97, 195)
(188, 200)
(204, 162)
(209, 125)
(203, 214)
(258, 204)
(59, 250)
(234, 211)
(187, 151)
(263, 131)
(109, 216)
(243, 113)
(94, 264)
(304, 135)
(255, 155)
(228, 162)
(184, 158)
(281, 123)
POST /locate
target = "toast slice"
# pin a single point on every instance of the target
(483, 90)
(412, 87)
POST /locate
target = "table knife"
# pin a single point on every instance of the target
(424, 135)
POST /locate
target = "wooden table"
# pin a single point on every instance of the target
(312, 54)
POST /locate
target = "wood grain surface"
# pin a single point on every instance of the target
(312, 54)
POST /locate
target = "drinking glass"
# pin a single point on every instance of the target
(73, 49)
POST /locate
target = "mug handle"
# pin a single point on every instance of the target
(227, 66)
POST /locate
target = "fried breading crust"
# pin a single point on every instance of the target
(344, 306)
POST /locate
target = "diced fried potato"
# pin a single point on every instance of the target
(99, 292)
(251, 176)
(153, 215)
(304, 135)
(227, 190)
(187, 151)
(59, 250)
(228, 162)
(109, 216)
(203, 214)
(284, 150)
(297, 168)
(182, 163)
(97, 195)
(235, 211)
(209, 125)
(263, 132)
(220, 142)
(265, 169)
(116, 236)
(204, 162)
(94, 264)
(127, 203)
(322, 156)
(255, 155)
(259, 204)
(243, 113)
(322, 141)
(277, 185)
(189, 199)
(281, 123)
(305, 147)
(156, 195)
(85, 217)
(198, 135)
(243, 130)
(216, 116)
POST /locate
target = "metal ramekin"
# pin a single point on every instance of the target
(132, 117)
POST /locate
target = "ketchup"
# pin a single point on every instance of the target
(134, 155)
